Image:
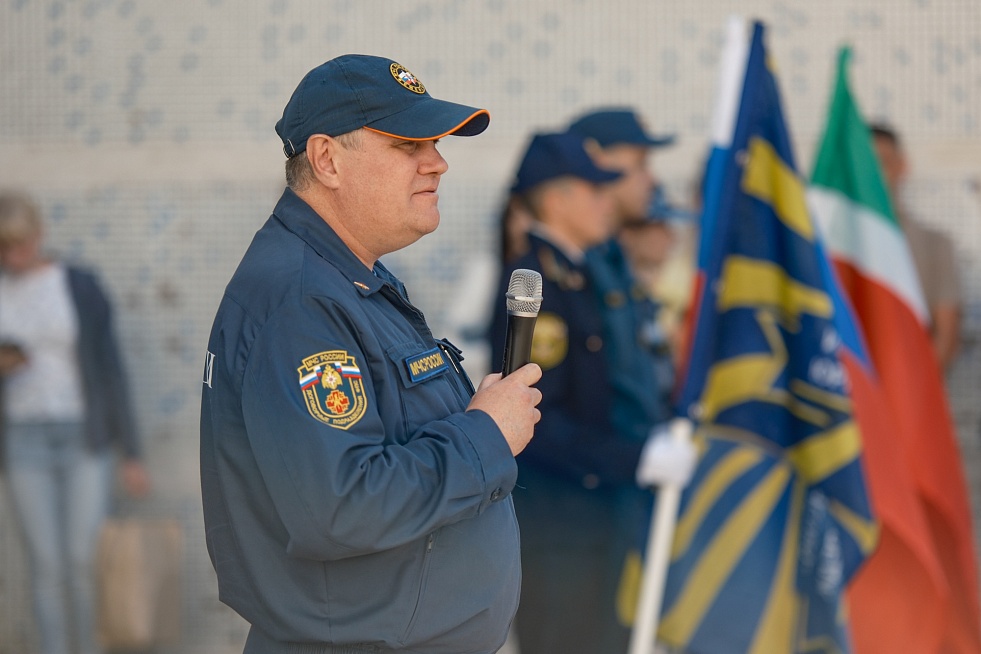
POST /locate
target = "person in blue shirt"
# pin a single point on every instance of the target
(637, 350)
(583, 469)
(356, 488)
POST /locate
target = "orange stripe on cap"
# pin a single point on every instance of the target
(438, 136)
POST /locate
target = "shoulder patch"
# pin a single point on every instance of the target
(550, 343)
(332, 388)
(554, 270)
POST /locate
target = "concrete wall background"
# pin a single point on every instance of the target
(145, 131)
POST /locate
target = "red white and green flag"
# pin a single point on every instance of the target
(919, 591)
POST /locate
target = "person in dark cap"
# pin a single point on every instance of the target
(356, 489)
(637, 348)
(616, 139)
(573, 474)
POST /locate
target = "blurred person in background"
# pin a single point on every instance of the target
(616, 140)
(583, 469)
(513, 226)
(660, 252)
(636, 346)
(933, 251)
(65, 402)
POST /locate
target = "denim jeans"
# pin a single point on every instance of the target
(60, 493)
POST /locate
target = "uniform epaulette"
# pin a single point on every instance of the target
(555, 271)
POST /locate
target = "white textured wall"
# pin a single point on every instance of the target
(145, 130)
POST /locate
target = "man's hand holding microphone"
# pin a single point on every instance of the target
(509, 397)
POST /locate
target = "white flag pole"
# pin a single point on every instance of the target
(657, 555)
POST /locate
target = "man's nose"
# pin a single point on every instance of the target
(433, 161)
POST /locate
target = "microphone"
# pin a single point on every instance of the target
(524, 299)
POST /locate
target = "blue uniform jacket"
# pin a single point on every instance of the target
(637, 351)
(348, 496)
(576, 438)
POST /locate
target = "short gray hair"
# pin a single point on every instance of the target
(298, 172)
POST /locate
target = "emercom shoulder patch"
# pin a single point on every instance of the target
(332, 388)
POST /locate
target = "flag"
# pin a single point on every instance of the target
(776, 519)
(919, 590)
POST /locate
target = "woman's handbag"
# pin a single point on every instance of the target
(138, 568)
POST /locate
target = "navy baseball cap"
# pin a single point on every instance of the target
(615, 127)
(558, 155)
(354, 91)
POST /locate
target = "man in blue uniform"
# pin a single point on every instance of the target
(356, 490)
(637, 350)
(574, 474)
(639, 354)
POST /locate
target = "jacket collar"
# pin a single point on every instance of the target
(298, 217)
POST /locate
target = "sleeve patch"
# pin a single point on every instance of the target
(332, 388)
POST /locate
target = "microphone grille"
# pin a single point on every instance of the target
(524, 292)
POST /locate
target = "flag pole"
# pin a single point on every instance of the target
(657, 555)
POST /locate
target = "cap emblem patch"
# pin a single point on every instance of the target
(332, 388)
(406, 79)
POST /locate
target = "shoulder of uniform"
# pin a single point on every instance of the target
(556, 270)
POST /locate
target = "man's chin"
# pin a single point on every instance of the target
(428, 223)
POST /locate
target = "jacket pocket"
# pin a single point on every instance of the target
(429, 386)
(423, 583)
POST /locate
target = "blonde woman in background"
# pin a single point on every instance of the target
(64, 403)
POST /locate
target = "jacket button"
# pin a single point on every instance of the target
(615, 299)
(496, 495)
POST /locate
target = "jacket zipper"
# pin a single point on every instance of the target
(423, 578)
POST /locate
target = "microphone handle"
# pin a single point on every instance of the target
(517, 344)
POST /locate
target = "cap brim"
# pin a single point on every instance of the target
(431, 119)
(595, 176)
(600, 176)
(658, 141)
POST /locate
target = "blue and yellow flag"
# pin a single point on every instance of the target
(776, 519)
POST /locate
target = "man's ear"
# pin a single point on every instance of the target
(592, 148)
(321, 152)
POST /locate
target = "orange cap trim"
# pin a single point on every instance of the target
(432, 138)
